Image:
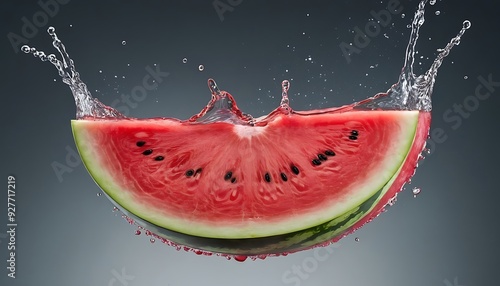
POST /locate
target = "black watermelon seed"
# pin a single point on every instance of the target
(322, 157)
(233, 180)
(316, 162)
(198, 171)
(147, 152)
(140, 143)
(354, 132)
(284, 177)
(189, 172)
(159, 158)
(295, 170)
(329, 153)
(228, 175)
(267, 177)
(352, 137)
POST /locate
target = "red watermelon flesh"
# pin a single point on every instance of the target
(289, 182)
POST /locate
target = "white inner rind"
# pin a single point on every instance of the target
(377, 179)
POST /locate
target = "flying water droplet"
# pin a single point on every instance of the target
(115, 209)
(466, 77)
(137, 232)
(184, 60)
(356, 239)
(152, 240)
(432, 2)
(98, 194)
(437, 13)
(201, 67)
(51, 30)
(466, 24)
(416, 192)
(26, 49)
(124, 43)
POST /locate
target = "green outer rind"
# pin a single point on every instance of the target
(278, 244)
(274, 243)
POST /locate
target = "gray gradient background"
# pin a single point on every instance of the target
(67, 235)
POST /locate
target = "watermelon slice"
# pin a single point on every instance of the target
(286, 182)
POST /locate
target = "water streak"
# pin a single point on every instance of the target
(86, 105)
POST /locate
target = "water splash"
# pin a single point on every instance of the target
(86, 105)
(413, 92)
(221, 108)
(285, 103)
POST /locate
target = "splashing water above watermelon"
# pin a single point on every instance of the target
(225, 182)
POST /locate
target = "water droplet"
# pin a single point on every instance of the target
(392, 202)
(148, 233)
(51, 30)
(356, 239)
(201, 67)
(403, 15)
(71, 25)
(466, 77)
(115, 209)
(416, 191)
(100, 71)
(26, 49)
(240, 258)
(98, 194)
(184, 60)
(152, 240)
(437, 13)
(214, 89)
(124, 43)
(432, 2)
(466, 24)
(137, 232)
